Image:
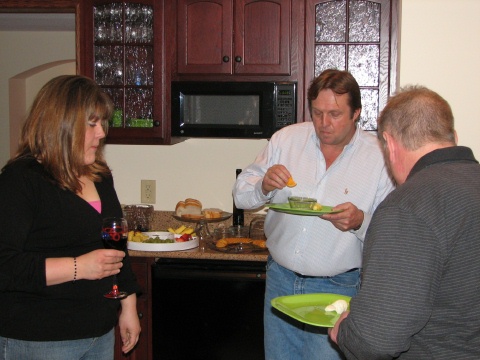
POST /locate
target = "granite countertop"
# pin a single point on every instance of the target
(202, 253)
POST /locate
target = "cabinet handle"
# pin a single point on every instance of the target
(238, 58)
(156, 123)
(140, 315)
(226, 58)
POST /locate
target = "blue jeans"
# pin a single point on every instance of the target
(98, 348)
(289, 339)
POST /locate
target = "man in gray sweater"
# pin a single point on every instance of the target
(419, 297)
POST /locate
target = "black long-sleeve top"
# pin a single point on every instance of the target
(38, 220)
(420, 297)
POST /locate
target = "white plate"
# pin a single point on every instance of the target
(176, 246)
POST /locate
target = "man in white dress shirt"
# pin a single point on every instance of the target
(337, 163)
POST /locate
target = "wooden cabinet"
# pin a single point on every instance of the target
(143, 351)
(122, 49)
(249, 37)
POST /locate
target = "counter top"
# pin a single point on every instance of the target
(202, 253)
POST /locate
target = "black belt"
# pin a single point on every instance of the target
(325, 277)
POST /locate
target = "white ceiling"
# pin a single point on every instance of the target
(37, 22)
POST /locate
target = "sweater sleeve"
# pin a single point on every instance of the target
(400, 280)
(19, 270)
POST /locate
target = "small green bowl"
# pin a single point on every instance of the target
(298, 202)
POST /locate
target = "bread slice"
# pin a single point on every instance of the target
(180, 208)
(212, 213)
(190, 208)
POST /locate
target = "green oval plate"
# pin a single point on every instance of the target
(285, 208)
(310, 308)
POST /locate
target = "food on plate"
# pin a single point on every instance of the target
(260, 243)
(193, 216)
(158, 240)
(136, 236)
(212, 213)
(181, 230)
(237, 240)
(338, 306)
(317, 207)
(184, 237)
(165, 238)
(190, 208)
(291, 182)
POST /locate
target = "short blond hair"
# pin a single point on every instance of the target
(416, 116)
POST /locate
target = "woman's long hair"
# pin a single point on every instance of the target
(54, 131)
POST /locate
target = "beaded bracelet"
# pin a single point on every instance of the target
(74, 269)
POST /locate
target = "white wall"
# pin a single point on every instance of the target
(439, 49)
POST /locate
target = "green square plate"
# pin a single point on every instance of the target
(310, 308)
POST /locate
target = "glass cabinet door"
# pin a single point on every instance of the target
(354, 35)
(123, 60)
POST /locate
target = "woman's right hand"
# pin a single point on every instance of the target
(99, 263)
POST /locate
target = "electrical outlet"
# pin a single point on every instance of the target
(148, 191)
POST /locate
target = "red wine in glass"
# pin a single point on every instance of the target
(114, 236)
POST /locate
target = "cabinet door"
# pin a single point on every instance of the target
(358, 36)
(262, 37)
(245, 37)
(205, 36)
(142, 351)
(123, 58)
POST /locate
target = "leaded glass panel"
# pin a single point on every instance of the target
(364, 18)
(364, 64)
(329, 57)
(368, 117)
(354, 35)
(330, 21)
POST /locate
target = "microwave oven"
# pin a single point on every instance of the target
(232, 109)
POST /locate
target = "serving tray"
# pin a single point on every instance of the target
(176, 246)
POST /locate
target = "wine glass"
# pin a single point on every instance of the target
(114, 236)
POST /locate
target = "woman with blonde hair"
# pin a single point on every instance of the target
(54, 268)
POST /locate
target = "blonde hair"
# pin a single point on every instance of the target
(54, 131)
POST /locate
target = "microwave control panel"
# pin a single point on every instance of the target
(285, 104)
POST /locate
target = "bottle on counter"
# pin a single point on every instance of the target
(237, 217)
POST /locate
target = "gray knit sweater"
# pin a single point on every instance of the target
(420, 294)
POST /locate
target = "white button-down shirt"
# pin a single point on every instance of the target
(310, 245)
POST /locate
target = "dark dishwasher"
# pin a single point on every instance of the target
(207, 309)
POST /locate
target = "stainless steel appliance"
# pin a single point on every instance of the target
(232, 109)
(208, 309)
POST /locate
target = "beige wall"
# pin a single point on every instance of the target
(23, 89)
(19, 52)
(439, 49)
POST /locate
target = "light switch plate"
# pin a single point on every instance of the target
(148, 193)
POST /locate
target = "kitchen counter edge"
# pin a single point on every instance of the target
(201, 254)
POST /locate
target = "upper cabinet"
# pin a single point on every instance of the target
(359, 36)
(122, 51)
(243, 37)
